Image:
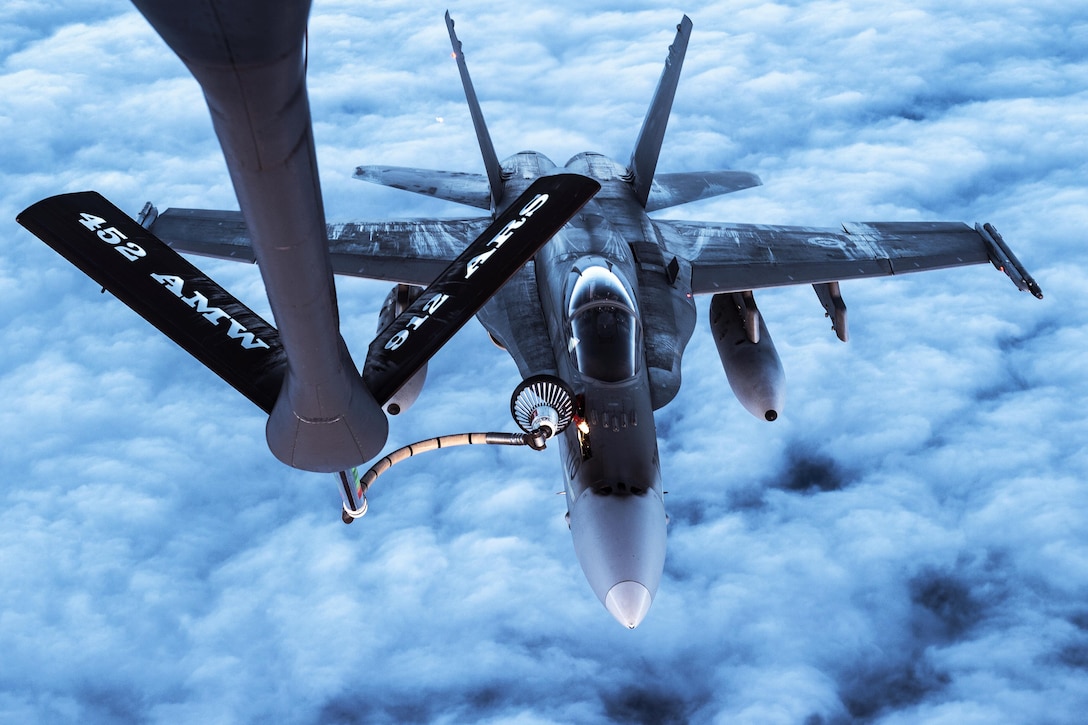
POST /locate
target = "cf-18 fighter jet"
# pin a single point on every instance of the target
(596, 321)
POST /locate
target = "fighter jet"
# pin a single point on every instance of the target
(591, 296)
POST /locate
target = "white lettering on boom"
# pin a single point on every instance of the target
(200, 303)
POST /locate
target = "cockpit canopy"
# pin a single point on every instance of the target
(604, 326)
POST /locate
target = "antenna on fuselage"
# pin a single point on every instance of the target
(648, 146)
(487, 149)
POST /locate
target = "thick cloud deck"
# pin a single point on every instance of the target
(905, 544)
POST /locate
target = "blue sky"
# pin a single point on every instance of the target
(907, 543)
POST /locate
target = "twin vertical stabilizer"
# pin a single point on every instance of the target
(648, 146)
(487, 149)
(487, 192)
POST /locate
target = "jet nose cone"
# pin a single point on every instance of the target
(628, 602)
(620, 543)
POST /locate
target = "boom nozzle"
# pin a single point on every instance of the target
(542, 406)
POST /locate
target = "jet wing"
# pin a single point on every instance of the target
(411, 252)
(738, 257)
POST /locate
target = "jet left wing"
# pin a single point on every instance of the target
(738, 257)
(408, 252)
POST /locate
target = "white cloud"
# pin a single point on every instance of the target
(906, 544)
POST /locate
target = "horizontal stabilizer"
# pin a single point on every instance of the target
(455, 186)
(675, 189)
(165, 289)
(408, 342)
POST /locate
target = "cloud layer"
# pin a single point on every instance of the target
(907, 543)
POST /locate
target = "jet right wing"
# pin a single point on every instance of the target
(739, 257)
(408, 252)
